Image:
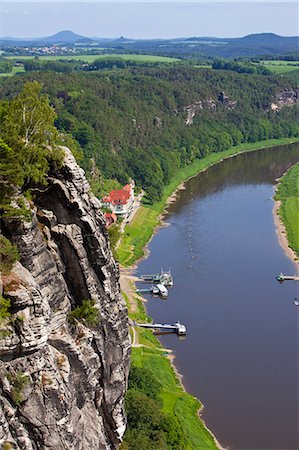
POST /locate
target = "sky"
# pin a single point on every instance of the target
(151, 19)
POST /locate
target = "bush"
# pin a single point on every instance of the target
(148, 427)
(143, 412)
(18, 382)
(87, 313)
(8, 255)
(144, 380)
(4, 306)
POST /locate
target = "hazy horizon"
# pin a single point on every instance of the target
(148, 20)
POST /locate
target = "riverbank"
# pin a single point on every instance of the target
(139, 232)
(286, 213)
(147, 351)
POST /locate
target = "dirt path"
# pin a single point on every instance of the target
(127, 285)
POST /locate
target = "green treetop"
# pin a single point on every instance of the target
(28, 128)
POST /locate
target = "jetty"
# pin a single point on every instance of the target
(177, 327)
(164, 277)
(159, 289)
(281, 278)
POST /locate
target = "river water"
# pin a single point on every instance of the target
(240, 356)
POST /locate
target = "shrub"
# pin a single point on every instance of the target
(144, 380)
(8, 255)
(18, 382)
(4, 306)
(87, 313)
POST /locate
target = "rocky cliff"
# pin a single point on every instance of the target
(62, 386)
(287, 97)
(209, 104)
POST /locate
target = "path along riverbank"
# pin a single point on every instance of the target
(147, 350)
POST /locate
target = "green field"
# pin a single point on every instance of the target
(288, 194)
(13, 72)
(140, 230)
(280, 66)
(91, 58)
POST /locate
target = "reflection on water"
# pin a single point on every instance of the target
(240, 356)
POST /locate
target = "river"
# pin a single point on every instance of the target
(240, 356)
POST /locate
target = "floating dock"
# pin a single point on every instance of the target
(164, 277)
(281, 278)
(159, 289)
(177, 327)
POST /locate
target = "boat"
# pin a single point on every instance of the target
(163, 292)
(164, 277)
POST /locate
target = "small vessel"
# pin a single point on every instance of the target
(163, 292)
(164, 277)
(280, 278)
(296, 302)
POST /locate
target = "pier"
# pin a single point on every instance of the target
(164, 277)
(177, 327)
(281, 278)
(159, 289)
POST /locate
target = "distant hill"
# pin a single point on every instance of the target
(66, 37)
(247, 46)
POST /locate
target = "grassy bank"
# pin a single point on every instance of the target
(139, 231)
(288, 194)
(175, 402)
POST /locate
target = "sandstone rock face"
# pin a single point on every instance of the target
(288, 97)
(208, 104)
(62, 386)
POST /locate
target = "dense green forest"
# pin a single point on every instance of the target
(131, 122)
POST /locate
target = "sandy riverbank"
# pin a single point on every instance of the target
(282, 235)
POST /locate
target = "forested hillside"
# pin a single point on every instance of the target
(146, 123)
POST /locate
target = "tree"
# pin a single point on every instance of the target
(145, 381)
(28, 128)
(8, 255)
(10, 174)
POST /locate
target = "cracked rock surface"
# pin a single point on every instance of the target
(62, 386)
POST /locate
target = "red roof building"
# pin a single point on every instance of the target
(120, 201)
(111, 219)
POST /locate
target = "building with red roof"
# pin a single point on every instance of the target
(120, 201)
(110, 218)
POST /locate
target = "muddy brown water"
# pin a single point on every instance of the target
(240, 356)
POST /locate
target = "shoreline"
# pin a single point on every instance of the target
(280, 230)
(128, 281)
(131, 250)
(174, 194)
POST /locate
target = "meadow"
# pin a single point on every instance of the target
(280, 66)
(15, 70)
(92, 58)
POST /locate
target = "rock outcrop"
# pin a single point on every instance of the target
(208, 104)
(62, 386)
(287, 97)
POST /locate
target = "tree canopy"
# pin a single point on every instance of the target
(131, 122)
(27, 144)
